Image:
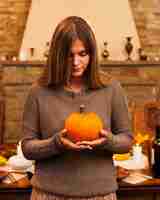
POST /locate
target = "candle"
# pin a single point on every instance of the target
(19, 150)
(23, 55)
(137, 152)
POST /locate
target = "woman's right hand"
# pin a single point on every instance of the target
(68, 144)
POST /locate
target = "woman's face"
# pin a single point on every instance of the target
(78, 58)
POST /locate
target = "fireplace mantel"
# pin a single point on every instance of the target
(103, 64)
(131, 64)
(29, 63)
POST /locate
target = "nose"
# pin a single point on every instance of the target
(76, 60)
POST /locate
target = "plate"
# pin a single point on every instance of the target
(133, 164)
(121, 157)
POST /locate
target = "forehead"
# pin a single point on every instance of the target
(77, 45)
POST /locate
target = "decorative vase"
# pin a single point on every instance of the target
(128, 47)
(142, 55)
(32, 52)
(105, 52)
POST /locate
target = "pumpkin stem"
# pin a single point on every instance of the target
(82, 108)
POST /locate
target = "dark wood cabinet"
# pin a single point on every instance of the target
(148, 190)
(15, 194)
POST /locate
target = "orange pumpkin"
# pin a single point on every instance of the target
(83, 126)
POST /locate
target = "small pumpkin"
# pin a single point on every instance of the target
(82, 126)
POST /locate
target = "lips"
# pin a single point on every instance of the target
(77, 69)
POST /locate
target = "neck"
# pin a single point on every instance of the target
(76, 84)
(76, 81)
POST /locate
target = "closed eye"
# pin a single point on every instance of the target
(81, 53)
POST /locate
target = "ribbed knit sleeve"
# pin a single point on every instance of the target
(120, 139)
(33, 147)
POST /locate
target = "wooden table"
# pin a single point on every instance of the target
(19, 190)
(148, 190)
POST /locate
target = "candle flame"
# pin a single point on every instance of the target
(141, 138)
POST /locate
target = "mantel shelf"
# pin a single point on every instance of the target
(28, 63)
(104, 64)
(137, 63)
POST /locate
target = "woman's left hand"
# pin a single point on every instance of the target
(100, 141)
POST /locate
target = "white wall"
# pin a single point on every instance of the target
(111, 21)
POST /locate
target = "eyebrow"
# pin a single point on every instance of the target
(83, 51)
(80, 52)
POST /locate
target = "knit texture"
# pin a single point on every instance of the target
(83, 173)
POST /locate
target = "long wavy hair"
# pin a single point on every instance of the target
(58, 71)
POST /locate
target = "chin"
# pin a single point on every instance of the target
(77, 74)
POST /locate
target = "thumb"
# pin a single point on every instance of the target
(63, 132)
(103, 133)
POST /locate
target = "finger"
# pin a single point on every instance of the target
(98, 142)
(69, 144)
(88, 147)
(85, 147)
(84, 143)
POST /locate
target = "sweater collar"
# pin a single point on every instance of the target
(73, 94)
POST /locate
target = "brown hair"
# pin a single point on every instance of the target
(57, 71)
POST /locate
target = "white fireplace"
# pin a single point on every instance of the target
(112, 21)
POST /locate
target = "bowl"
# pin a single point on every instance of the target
(19, 163)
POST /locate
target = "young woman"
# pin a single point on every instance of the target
(65, 169)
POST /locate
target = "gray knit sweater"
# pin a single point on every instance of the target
(83, 173)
